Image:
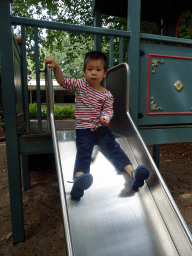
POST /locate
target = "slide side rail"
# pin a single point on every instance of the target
(117, 82)
(52, 131)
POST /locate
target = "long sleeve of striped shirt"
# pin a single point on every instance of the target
(91, 104)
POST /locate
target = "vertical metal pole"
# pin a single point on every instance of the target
(9, 106)
(111, 52)
(38, 79)
(97, 23)
(50, 103)
(25, 82)
(49, 96)
(133, 25)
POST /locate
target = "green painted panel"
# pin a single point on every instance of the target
(17, 78)
(164, 136)
(172, 73)
(35, 144)
(161, 68)
(9, 106)
(18, 85)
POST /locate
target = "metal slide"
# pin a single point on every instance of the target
(108, 220)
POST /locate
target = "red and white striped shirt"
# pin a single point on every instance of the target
(91, 104)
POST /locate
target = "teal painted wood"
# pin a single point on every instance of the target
(93, 8)
(68, 27)
(36, 145)
(134, 9)
(176, 105)
(120, 49)
(167, 39)
(38, 90)
(111, 52)
(9, 100)
(18, 84)
(164, 136)
(26, 174)
(25, 83)
(97, 23)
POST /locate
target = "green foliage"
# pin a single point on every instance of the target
(71, 55)
(59, 112)
(63, 112)
(185, 26)
(148, 27)
(33, 111)
(45, 9)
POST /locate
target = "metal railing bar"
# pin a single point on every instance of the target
(68, 27)
(49, 96)
(25, 82)
(38, 89)
(50, 105)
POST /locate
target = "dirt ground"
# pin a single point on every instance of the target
(42, 212)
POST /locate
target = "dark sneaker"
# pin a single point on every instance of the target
(81, 183)
(138, 176)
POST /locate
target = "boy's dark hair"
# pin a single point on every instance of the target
(94, 55)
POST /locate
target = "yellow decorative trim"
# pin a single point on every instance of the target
(155, 64)
(154, 106)
(178, 85)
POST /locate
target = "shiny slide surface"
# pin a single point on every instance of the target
(108, 220)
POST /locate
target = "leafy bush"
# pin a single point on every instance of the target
(32, 111)
(67, 112)
(63, 112)
(59, 112)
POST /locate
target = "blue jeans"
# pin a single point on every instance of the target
(85, 141)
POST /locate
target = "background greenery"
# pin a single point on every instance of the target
(69, 48)
(60, 111)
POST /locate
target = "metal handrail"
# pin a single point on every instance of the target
(49, 98)
(52, 131)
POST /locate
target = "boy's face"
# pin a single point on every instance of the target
(95, 72)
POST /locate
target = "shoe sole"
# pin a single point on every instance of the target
(141, 174)
(81, 183)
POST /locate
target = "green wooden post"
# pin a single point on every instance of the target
(120, 49)
(25, 83)
(26, 173)
(111, 52)
(38, 89)
(97, 23)
(133, 25)
(9, 105)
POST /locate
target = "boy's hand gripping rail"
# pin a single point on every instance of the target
(52, 131)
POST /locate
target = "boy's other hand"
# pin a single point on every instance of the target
(104, 121)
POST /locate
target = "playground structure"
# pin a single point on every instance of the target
(167, 122)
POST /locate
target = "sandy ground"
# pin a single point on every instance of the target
(42, 211)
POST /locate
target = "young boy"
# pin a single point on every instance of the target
(93, 112)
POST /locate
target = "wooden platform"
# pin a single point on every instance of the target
(61, 125)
